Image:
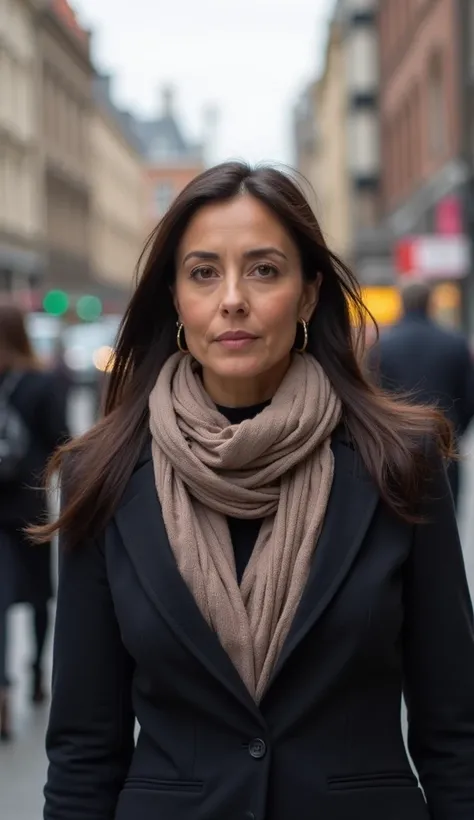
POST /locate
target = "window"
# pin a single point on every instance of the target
(436, 108)
(163, 196)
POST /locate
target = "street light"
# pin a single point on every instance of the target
(56, 302)
(89, 308)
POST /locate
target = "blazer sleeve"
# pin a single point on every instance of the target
(439, 657)
(90, 737)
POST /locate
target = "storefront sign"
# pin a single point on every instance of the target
(433, 256)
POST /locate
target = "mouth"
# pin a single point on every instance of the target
(235, 339)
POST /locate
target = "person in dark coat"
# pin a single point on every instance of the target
(25, 568)
(258, 549)
(431, 363)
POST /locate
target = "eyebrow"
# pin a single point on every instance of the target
(254, 253)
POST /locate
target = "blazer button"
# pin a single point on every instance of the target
(257, 748)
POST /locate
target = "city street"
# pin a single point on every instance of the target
(23, 764)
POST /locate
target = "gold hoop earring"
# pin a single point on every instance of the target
(181, 348)
(305, 340)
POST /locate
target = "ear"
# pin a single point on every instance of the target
(310, 297)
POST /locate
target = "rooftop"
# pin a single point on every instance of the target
(162, 139)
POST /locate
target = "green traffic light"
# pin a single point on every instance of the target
(89, 308)
(56, 302)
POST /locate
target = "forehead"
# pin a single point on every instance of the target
(237, 224)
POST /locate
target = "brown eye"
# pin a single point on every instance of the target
(266, 271)
(202, 274)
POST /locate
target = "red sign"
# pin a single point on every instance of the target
(448, 216)
(433, 256)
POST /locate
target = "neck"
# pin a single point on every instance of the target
(235, 392)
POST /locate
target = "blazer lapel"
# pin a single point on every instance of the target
(351, 506)
(140, 523)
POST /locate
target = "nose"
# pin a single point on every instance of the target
(234, 301)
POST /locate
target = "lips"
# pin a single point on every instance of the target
(235, 336)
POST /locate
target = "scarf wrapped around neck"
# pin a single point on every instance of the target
(277, 466)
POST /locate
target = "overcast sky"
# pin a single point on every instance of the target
(249, 58)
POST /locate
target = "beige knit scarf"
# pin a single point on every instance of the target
(277, 466)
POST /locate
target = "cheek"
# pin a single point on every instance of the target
(194, 311)
(279, 314)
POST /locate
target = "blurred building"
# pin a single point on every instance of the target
(330, 169)
(341, 145)
(171, 160)
(118, 207)
(66, 75)
(425, 171)
(21, 228)
(370, 251)
(305, 131)
(466, 50)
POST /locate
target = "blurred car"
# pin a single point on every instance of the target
(88, 349)
(45, 334)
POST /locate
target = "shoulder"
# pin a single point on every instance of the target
(434, 483)
(32, 387)
(388, 335)
(455, 339)
(37, 380)
(388, 339)
(144, 457)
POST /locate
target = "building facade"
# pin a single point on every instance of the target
(331, 178)
(342, 143)
(66, 75)
(369, 252)
(118, 207)
(171, 160)
(305, 140)
(21, 224)
(425, 157)
(420, 110)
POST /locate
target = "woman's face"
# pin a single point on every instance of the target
(239, 293)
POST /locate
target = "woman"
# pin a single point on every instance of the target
(260, 548)
(32, 424)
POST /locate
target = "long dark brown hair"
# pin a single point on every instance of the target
(387, 432)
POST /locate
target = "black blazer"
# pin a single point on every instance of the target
(386, 606)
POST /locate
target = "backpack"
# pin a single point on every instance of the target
(14, 434)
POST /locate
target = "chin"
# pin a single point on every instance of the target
(239, 368)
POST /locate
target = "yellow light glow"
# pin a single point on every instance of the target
(384, 304)
(103, 358)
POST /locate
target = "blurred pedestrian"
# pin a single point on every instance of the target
(431, 363)
(258, 548)
(32, 424)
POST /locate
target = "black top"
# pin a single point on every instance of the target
(243, 531)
